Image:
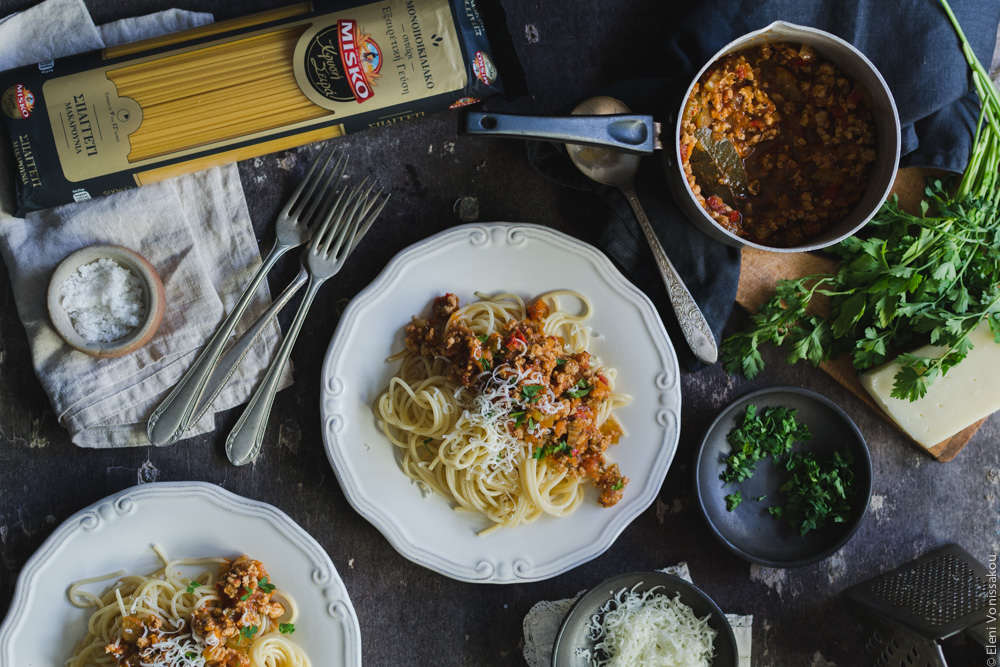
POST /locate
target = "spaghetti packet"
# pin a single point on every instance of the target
(114, 119)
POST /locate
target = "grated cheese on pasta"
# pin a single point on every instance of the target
(490, 411)
(180, 650)
(649, 629)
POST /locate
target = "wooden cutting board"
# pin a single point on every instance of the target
(760, 271)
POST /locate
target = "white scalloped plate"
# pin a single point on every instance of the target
(499, 257)
(187, 519)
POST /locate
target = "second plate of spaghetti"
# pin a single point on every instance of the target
(500, 403)
(168, 574)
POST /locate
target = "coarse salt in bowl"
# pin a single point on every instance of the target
(105, 300)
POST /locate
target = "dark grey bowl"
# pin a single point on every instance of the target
(750, 531)
(573, 631)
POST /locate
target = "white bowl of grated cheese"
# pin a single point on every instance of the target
(105, 300)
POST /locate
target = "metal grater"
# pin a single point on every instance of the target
(905, 615)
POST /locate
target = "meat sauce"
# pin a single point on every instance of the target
(567, 434)
(225, 626)
(803, 131)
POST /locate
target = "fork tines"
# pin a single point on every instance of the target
(303, 196)
(348, 218)
(375, 206)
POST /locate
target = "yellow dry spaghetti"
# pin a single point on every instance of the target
(203, 96)
(100, 123)
(173, 596)
(454, 441)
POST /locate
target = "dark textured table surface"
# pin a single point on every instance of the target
(412, 616)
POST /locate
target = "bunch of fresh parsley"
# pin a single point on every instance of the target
(933, 277)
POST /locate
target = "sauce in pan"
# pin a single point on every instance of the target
(776, 143)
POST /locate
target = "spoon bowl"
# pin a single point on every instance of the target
(603, 165)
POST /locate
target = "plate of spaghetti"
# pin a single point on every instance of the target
(500, 403)
(180, 575)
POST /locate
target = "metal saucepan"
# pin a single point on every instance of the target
(641, 134)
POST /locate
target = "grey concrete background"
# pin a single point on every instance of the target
(409, 615)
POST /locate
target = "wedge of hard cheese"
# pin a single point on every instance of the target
(969, 392)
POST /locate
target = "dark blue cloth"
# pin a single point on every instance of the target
(911, 43)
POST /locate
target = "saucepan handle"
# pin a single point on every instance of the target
(627, 133)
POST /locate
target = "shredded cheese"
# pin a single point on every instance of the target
(649, 629)
(488, 410)
(180, 650)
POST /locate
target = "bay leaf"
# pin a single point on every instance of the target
(718, 169)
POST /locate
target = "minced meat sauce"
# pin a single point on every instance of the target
(803, 132)
(568, 435)
(226, 627)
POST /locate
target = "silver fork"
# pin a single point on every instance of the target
(238, 351)
(349, 218)
(293, 228)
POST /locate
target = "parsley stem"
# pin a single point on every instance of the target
(978, 181)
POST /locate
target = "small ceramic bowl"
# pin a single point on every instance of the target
(152, 294)
(749, 531)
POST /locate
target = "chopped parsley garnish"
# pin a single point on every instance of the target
(531, 424)
(549, 450)
(733, 500)
(192, 586)
(485, 363)
(580, 390)
(190, 656)
(286, 628)
(560, 362)
(818, 490)
(530, 391)
(266, 586)
(770, 433)
(619, 485)
(246, 634)
(518, 417)
(482, 338)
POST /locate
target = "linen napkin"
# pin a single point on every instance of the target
(195, 230)
(541, 625)
(911, 43)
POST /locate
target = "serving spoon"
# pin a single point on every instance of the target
(618, 169)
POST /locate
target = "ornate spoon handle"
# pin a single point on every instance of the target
(693, 324)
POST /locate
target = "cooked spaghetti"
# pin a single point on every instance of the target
(169, 619)
(499, 407)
